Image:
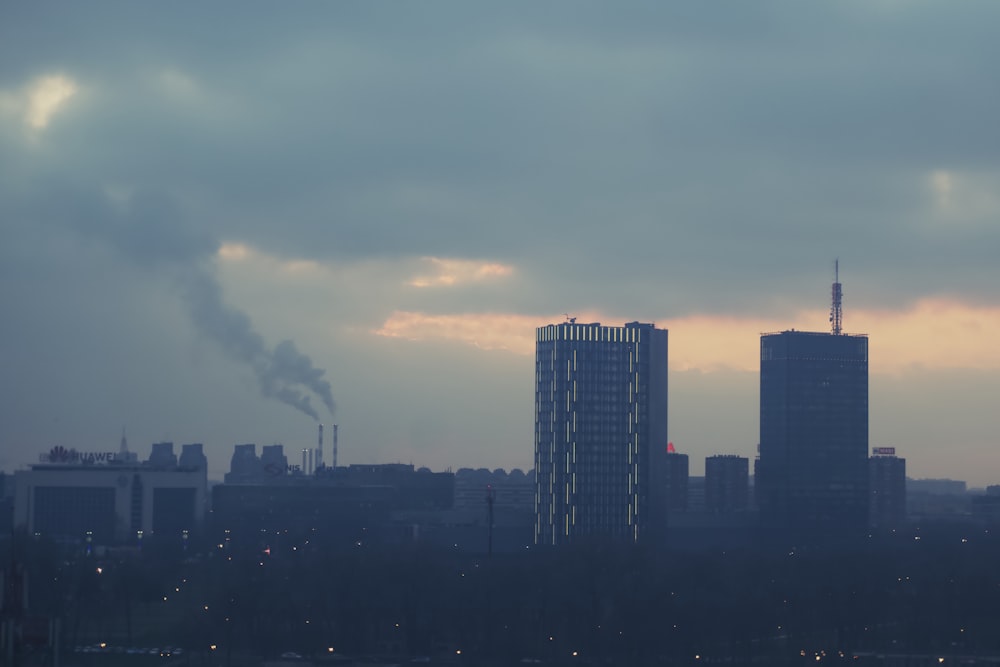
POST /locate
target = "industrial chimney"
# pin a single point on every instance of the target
(319, 449)
(335, 446)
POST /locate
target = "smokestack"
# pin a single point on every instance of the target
(310, 461)
(304, 468)
(319, 449)
(334, 446)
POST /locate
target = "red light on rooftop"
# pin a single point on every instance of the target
(670, 448)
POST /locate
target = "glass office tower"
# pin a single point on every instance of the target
(600, 432)
(812, 475)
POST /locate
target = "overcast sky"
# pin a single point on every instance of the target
(217, 220)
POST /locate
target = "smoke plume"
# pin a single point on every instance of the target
(152, 232)
(283, 372)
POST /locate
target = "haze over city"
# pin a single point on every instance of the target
(217, 223)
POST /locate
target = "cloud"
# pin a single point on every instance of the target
(487, 331)
(235, 252)
(452, 272)
(968, 196)
(933, 334)
(45, 97)
(240, 252)
(941, 185)
(38, 102)
(177, 84)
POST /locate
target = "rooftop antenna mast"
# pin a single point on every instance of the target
(836, 310)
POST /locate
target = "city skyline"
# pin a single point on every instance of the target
(405, 195)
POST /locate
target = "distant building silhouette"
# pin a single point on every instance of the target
(244, 465)
(372, 503)
(887, 486)
(812, 474)
(937, 487)
(677, 481)
(600, 432)
(726, 483)
(937, 500)
(986, 507)
(193, 456)
(103, 498)
(162, 455)
(514, 490)
(273, 462)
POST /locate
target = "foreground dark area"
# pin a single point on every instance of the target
(240, 599)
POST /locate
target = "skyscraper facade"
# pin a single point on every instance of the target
(727, 483)
(600, 432)
(813, 468)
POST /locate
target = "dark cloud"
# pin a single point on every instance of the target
(688, 146)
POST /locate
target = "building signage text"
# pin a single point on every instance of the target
(59, 454)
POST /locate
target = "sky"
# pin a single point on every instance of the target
(223, 223)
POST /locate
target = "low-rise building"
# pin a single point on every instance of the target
(94, 496)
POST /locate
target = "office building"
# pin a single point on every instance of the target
(812, 474)
(600, 432)
(726, 483)
(887, 486)
(106, 498)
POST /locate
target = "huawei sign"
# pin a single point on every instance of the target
(60, 454)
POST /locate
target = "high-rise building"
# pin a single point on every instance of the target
(726, 483)
(600, 432)
(813, 467)
(887, 486)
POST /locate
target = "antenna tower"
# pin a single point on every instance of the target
(836, 311)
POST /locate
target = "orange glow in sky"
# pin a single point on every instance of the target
(899, 340)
